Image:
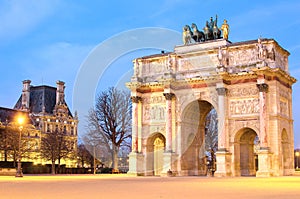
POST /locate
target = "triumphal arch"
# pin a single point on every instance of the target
(248, 84)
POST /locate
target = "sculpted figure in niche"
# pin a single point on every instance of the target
(220, 56)
(271, 54)
(169, 63)
(262, 51)
(136, 68)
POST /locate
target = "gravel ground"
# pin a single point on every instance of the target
(122, 186)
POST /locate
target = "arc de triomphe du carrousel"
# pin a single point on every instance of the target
(247, 83)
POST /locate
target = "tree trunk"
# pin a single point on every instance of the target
(53, 168)
(15, 158)
(114, 157)
(82, 162)
(5, 155)
(58, 168)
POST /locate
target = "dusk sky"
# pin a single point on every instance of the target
(50, 40)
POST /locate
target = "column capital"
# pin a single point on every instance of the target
(263, 87)
(136, 99)
(222, 91)
(169, 96)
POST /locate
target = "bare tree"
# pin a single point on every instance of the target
(5, 140)
(211, 137)
(110, 121)
(11, 144)
(55, 146)
(84, 156)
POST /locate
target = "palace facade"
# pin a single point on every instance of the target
(45, 111)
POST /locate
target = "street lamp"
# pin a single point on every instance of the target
(297, 155)
(19, 172)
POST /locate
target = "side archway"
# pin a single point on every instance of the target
(155, 148)
(287, 160)
(245, 146)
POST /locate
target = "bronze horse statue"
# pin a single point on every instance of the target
(216, 31)
(198, 36)
(207, 32)
(187, 35)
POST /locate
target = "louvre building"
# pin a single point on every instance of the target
(45, 111)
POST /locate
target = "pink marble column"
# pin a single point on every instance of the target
(169, 97)
(135, 118)
(263, 89)
(221, 118)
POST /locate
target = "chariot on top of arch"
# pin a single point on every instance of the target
(211, 31)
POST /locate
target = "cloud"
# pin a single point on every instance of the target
(18, 17)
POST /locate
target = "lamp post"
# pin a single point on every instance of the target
(94, 172)
(297, 155)
(19, 172)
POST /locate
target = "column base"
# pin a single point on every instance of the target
(170, 166)
(264, 163)
(223, 164)
(136, 164)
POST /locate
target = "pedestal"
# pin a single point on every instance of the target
(223, 164)
(169, 164)
(264, 163)
(136, 164)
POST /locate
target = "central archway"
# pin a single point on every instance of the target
(193, 158)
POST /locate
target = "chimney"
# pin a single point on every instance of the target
(60, 92)
(25, 95)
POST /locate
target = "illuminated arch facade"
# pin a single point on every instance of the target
(250, 90)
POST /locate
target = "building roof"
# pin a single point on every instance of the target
(42, 99)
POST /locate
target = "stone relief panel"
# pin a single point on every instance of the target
(154, 67)
(155, 100)
(154, 108)
(245, 91)
(280, 61)
(283, 104)
(244, 57)
(284, 93)
(242, 60)
(244, 106)
(198, 62)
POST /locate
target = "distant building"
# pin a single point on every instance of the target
(46, 111)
